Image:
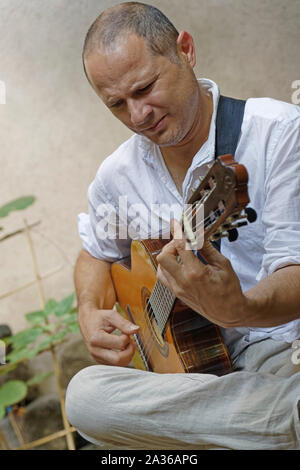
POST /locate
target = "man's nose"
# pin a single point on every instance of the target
(140, 112)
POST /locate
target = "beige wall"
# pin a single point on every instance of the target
(54, 131)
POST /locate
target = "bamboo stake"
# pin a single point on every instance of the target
(17, 289)
(45, 439)
(16, 428)
(16, 232)
(59, 249)
(69, 436)
(3, 441)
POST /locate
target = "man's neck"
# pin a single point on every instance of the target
(178, 158)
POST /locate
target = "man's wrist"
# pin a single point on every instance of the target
(86, 304)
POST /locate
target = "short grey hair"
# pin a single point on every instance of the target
(141, 19)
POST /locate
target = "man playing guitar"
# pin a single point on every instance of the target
(142, 69)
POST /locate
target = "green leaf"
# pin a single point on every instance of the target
(12, 392)
(45, 343)
(49, 328)
(2, 412)
(60, 335)
(69, 318)
(36, 317)
(7, 368)
(20, 354)
(64, 306)
(52, 339)
(25, 337)
(38, 378)
(16, 205)
(50, 306)
(74, 328)
(32, 353)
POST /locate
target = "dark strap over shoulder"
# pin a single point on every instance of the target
(229, 120)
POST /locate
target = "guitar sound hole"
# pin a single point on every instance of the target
(154, 329)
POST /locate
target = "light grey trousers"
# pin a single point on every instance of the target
(255, 407)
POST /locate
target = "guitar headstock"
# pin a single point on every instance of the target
(218, 205)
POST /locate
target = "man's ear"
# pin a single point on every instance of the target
(186, 48)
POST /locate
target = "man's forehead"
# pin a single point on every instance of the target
(128, 52)
(128, 59)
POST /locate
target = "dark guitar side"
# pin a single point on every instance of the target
(190, 343)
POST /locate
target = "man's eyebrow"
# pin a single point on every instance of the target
(112, 101)
(144, 83)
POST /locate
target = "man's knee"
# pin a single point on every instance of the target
(85, 395)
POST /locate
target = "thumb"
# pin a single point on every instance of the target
(124, 325)
(211, 254)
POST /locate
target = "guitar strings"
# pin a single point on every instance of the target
(148, 346)
(201, 222)
(160, 309)
(162, 299)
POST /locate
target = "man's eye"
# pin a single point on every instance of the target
(146, 88)
(116, 105)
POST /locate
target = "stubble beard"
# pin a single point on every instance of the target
(178, 134)
(186, 123)
(175, 139)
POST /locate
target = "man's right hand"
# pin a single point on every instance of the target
(97, 327)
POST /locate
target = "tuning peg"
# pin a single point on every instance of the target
(232, 234)
(251, 214)
(240, 224)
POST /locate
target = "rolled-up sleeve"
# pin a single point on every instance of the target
(97, 229)
(281, 212)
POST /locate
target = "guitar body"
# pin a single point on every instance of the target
(189, 343)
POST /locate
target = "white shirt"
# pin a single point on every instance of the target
(269, 148)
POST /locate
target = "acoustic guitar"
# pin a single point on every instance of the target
(172, 337)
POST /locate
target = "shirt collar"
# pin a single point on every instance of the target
(207, 152)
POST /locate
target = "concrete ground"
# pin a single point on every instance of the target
(55, 132)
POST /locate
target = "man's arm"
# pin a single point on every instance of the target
(95, 298)
(93, 282)
(214, 290)
(275, 300)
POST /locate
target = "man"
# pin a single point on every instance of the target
(142, 69)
